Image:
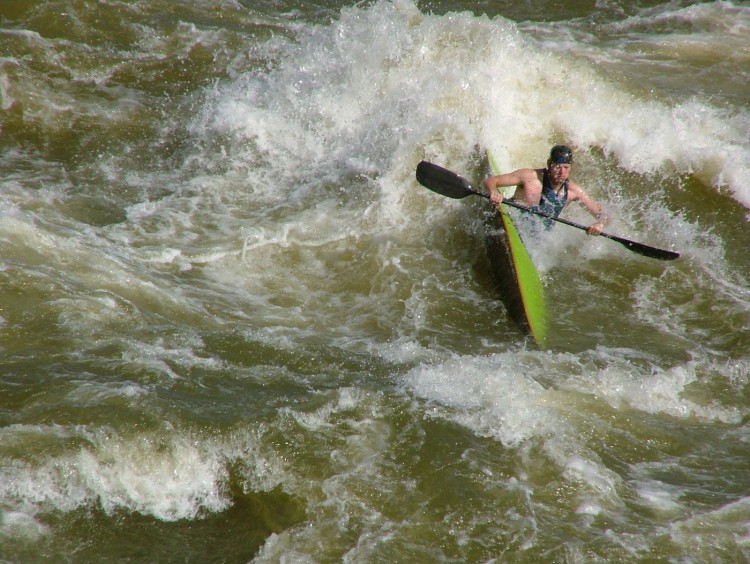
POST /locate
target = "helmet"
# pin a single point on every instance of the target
(561, 154)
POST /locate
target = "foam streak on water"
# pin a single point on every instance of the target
(234, 327)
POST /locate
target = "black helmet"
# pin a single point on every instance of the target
(561, 154)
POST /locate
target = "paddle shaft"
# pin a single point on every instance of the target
(448, 183)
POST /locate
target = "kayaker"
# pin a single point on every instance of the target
(549, 189)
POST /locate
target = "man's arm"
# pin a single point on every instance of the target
(521, 179)
(593, 207)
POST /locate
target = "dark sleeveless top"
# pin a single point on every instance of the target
(550, 203)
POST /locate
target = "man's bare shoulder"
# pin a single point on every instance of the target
(530, 174)
(574, 191)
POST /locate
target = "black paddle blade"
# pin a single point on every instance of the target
(645, 250)
(443, 181)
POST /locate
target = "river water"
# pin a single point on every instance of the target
(233, 326)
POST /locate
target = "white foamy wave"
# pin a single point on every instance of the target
(660, 496)
(653, 390)
(688, 138)
(492, 396)
(6, 100)
(169, 477)
(729, 520)
(674, 315)
(501, 397)
(19, 526)
(97, 393)
(705, 43)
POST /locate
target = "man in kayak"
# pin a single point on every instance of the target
(548, 190)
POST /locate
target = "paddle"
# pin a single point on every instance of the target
(448, 183)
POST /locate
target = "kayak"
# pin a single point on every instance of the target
(517, 280)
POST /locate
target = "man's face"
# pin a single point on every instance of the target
(559, 172)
